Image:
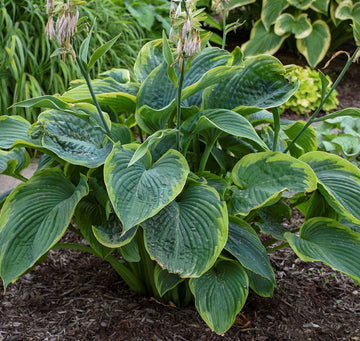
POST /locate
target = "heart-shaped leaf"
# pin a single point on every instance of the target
(33, 219)
(316, 44)
(339, 183)
(326, 240)
(187, 236)
(263, 178)
(140, 191)
(300, 26)
(220, 294)
(244, 244)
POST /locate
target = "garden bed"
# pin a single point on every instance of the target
(75, 296)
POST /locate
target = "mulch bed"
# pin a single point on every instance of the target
(76, 296)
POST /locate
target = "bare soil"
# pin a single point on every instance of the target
(76, 296)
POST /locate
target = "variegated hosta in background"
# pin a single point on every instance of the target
(185, 221)
(316, 25)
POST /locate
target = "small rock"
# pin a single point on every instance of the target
(311, 325)
(103, 324)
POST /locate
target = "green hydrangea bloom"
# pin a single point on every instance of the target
(308, 97)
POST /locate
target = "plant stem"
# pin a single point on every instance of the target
(316, 113)
(129, 278)
(74, 246)
(178, 105)
(276, 115)
(93, 96)
(224, 26)
(206, 153)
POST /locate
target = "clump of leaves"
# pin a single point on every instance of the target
(308, 97)
(183, 208)
(340, 136)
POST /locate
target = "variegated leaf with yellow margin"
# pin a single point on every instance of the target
(263, 178)
(326, 240)
(33, 219)
(140, 191)
(220, 294)
(339, 182)
(300, 26)
(316, 44)
(348, 10)
(187, 236)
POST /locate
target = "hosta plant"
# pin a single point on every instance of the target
(340, 136)
(315, 25)
(173, 185)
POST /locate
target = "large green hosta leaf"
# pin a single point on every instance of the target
(74, 137)
(220, 294)
(260, 83)
(187, 236)
(316, 44)
(339, 183)
(263, 178)
(140, 191)
(33, 219)
(244, 244)
(326, 240)
(14, 129)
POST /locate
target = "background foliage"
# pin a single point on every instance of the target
(313, 27)
(26, 68)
